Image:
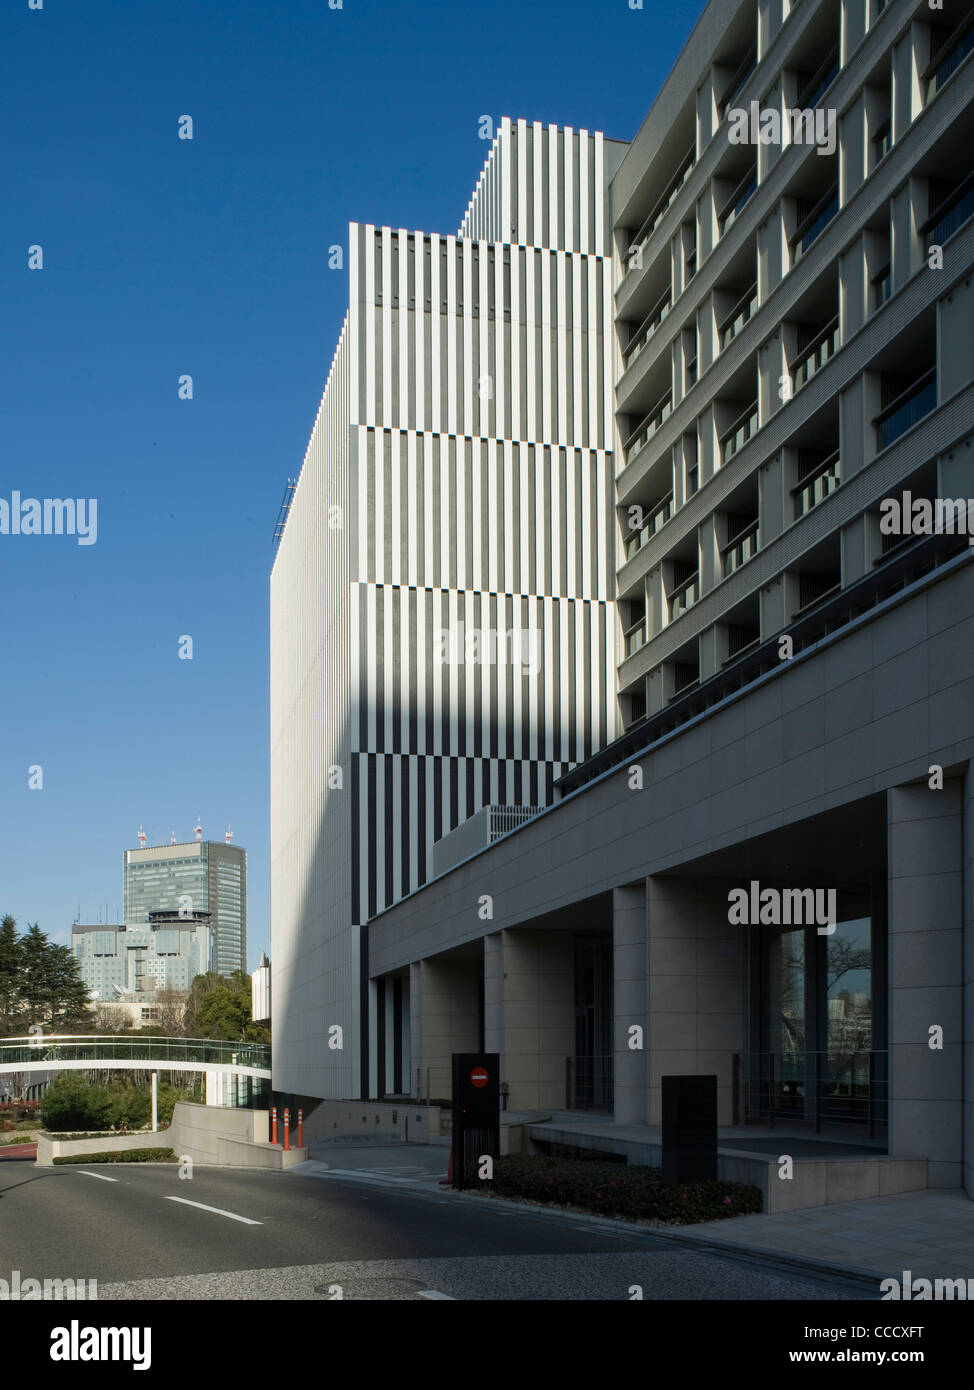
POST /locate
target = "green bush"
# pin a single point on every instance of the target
(123, 1156)
(71, 1103)
(614, 1189)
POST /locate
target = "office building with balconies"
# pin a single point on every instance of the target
(793, 366)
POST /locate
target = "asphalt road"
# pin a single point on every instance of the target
(142, 1232)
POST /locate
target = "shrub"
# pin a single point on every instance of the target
(71, 1103)
(123, 1156)
(611, 1189)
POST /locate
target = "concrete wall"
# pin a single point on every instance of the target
(49, 1148)
(228, 1138)
(339, 1121)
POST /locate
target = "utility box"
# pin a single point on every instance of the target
(689, 1128)
(476, 1113)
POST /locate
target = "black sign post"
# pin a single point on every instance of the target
(476, 1113)
(689, 1128)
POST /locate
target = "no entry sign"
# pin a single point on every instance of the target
(478, 1077)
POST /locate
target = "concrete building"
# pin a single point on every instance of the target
(769, 875)
(260, 991)
(442, 631)
(122, 962)
(202, 876)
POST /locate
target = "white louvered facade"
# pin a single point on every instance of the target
(459, 472)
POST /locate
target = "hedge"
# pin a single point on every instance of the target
(614, 1189)
(123, 1156)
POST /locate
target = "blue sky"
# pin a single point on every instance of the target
(209, 257)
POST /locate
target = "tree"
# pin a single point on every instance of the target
(9, 962)
(40, 983)
(219, 1007)
(172, 1005)
(112, 1018)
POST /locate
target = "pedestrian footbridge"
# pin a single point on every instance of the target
(225, 1064)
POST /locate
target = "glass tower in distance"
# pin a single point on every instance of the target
(200, 876)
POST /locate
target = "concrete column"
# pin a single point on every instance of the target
(539, 1016)
(968, 977)
(926, 964)
(630, 995)
(955, 344)
(494, 995)
(413, 1085)
(444, 1007)
(852, 27)
(696, 988)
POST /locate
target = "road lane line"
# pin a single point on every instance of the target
(434, 1293)
(219, 1211)
(101, 1176)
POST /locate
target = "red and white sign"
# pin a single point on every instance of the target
(478, 1077)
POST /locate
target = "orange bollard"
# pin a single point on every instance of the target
(274, 1124)
(300, 1129)
(287, 1130)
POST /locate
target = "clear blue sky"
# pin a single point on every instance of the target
(209, 257)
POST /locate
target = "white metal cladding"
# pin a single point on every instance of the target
(541, 185)
(313, 704)
(465, 431)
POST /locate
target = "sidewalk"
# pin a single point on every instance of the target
(930, 1233)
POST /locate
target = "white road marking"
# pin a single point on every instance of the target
(85, 1174)
(433, 1293)
(247, 1221)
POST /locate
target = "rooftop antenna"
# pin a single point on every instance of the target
(229, 835)
(199, 831)
(141, 836)
(172, 837)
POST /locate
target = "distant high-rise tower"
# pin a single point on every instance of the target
(206, 876)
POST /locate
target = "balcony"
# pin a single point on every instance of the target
(814, 357)
(908, 408)
(666, 199)
(814, 223)
(684, 596)
(635, 637)
(660, 412)
(741, 313)
(882, 284)
(738, 82)
(738, 200)
(949, 56)
(951, 214)
(739, 433)
(641, 337)
(820, 81)
(883, 141)
(816, 485)
(737, 552)
(650, 527)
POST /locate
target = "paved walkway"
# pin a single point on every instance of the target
(930, 1233)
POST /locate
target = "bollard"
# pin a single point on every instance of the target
(274, 1124)
(300, 1129)
(287, 1130)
